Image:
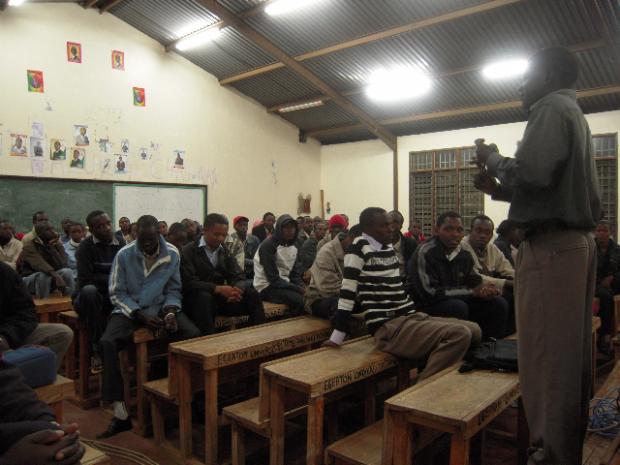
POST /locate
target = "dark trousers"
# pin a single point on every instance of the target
(293, 299)
(94, 310)
(202, 307)
(490, 314)
(117, 336)
(325, 308)
(606, 307)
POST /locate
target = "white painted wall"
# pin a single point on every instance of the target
(250, 160)
(359, 174)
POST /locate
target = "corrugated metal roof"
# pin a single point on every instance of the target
(508, 31)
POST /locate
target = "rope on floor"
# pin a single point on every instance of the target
(121, 452)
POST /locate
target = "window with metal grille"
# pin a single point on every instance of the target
(606, 158)
(442, 180)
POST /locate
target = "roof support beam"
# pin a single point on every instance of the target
(423, 23)
(109, 4)
(3, 4)
(585, 93)
(584, 46)
(232, 20)
(90, 3)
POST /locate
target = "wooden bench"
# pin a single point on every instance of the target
(314, 375)
(195, 364)
(49, 308)
(54, 394)
(450, 402)
(598, 449)
(272, 311)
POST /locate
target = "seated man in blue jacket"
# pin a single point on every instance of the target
(445, 284)
(145, 289)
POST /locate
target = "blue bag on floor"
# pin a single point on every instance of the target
(37, 364)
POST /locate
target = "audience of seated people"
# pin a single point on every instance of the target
(213, 282)
(326, 274)
(277, 269)
(18, 319)
(38, 217)
(91, 300)
(45, 264)
(607, 281)
(373, 287)
(76, 234)
(123, 234)
(404, 247)
(508, 240)
(65, 225)
(415, 232)
(145, 290)
(306, 225)
(191, 230)
(309, 249)
(177, 235)
(444, 282)
(335, 225)
(490, 263)
(243, 246)
(10, 247)
(163, 228)
(266, 227)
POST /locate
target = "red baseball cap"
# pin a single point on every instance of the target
(337, 220)
(236, 219)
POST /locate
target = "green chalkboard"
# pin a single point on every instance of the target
(20, 197)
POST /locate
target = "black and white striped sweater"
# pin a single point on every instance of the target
(373, 282)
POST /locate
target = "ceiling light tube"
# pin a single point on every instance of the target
(301, 106)
(397, 84)
(198, 38)
(281, 7)
(506, 69)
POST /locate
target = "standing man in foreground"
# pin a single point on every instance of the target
(552, 186)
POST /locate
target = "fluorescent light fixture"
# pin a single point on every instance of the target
(16, 2)
(505, 69)
(282, 7)
(396, 84)
(301, 106)
(198, 38)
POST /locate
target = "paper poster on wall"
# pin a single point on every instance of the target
(36, 147)
(121, 164)
(58, 150)
(35, 81)
(105, 145)
(36, 166)
(144, 154)
(18, 145)
(78, 157)
(74, 52)
(37, 130)
(139, 97)
(106, 165)
(179, 159)
(80, 133)
(118, 60)
(125, 146)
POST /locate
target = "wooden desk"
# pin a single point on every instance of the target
(48, 308)
(313, 375)
(455, 403)
(210, 353)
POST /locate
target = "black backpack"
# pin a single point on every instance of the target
(494, 355)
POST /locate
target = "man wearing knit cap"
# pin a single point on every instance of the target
(335, 225)
(242, 245)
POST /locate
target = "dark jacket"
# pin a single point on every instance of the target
(94, 262)
(21, 413)
(608, 264)
(307, 253)
(407, 248)
(18, 315)
(276, 263)
(434, 278)
(40, 257)
(197, 271)
(260, 231)
(504, 245)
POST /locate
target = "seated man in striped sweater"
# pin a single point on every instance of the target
(372, 285)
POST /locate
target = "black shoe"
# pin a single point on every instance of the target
(116, 426)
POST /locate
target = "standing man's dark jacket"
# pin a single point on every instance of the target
(94, 262)
(18, 316)
(608, 264)
(21, 413)
(434, 277)
(197, 271)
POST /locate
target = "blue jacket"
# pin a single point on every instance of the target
(133, 288)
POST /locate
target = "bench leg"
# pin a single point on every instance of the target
(210, 377)
(238, 444)
(126, 375)
(476, 449)
(159, 426)
(70, 358)
(459, 450)
(314, 444)
(141, 378)
(276, 414)
(402, 376)
(397, 439)
(370, 401)
(523, 435)
(185, 407)
(84, 363)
